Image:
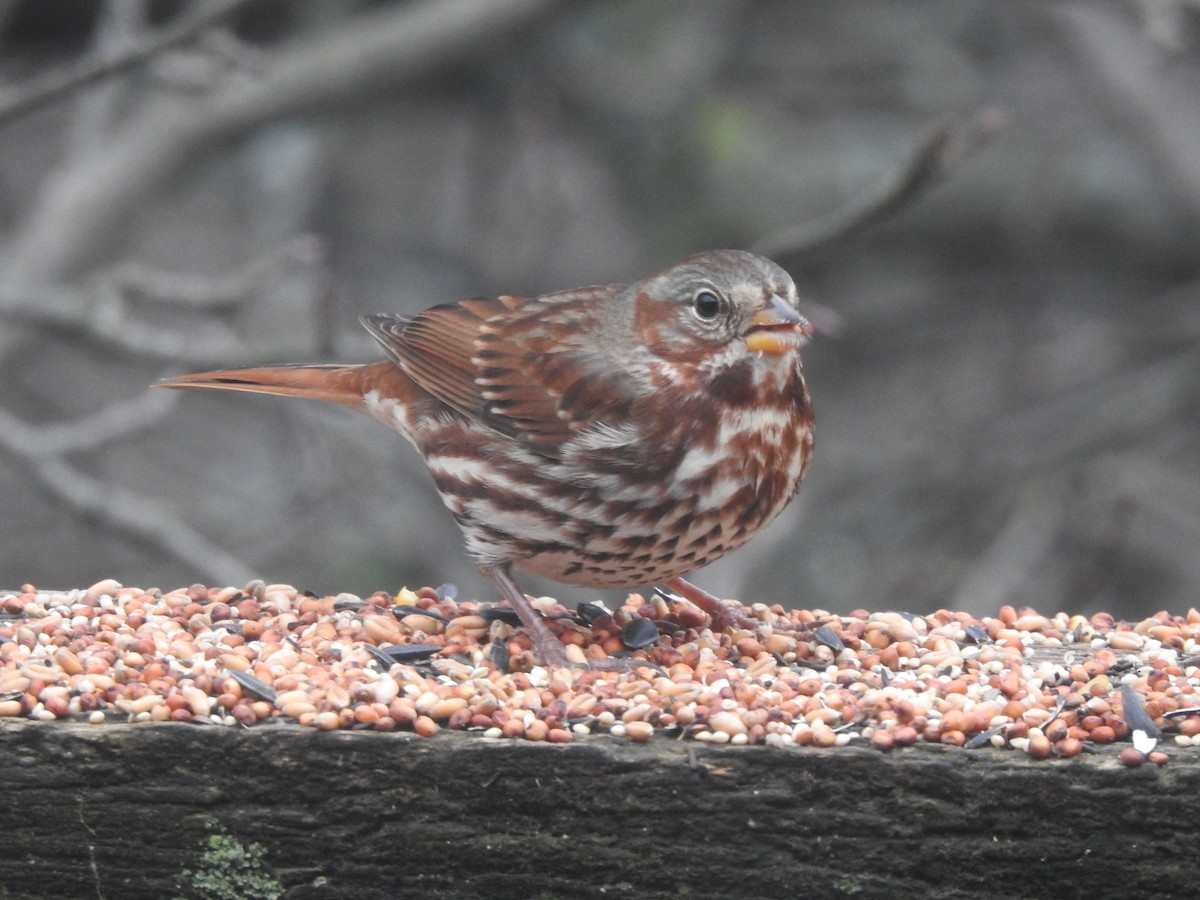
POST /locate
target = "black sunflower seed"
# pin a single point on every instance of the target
(829, 638)
(501, 614)
(252, 685)
(401, 653)
(587, 613)
(639, 633)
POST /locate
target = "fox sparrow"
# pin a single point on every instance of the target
(610, 436)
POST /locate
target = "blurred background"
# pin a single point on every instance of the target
(993, 209)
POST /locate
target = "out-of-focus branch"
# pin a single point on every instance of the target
(1126, 399)
(214, 54)
(105, 310)
(943, 149)
(114, 422)
(102, 315)
(38, 91)
(202, 292)
(388, 46)
(1167, 492)
(1133, 78)
(137, 516)
(140, 517)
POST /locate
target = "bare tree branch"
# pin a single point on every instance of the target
(86, 202)
(114, 422)
(214, 54)
(140, 517)
(1126, 399)
(45, 88)
(105, 309)
(102, 314)
(1170, 493)
(1161, 110)
(942, 150)
(204, 292)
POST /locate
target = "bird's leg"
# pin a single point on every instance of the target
(549, 646)
(721, 613)
(723, 617)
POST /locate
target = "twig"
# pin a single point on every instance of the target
(83, 204)
(227, 47)
(140, 517)
(1170, 493)
(942, 150)
(1126, 400)
(102, 310)
(102, 316)
(209, 292)
(17, 100)
(1127, 75)
(214, 54)
(113, 422)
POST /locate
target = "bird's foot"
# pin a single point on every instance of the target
(722, 616)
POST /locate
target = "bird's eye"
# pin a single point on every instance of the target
(707, 305)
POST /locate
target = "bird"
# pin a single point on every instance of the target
(611, 436)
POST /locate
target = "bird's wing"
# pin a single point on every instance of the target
(524, 368)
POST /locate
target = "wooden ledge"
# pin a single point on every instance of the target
(126, 811)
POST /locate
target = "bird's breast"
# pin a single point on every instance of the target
(623, 504)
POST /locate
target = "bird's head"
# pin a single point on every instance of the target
(717, 309)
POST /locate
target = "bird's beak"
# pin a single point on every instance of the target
(778, 329)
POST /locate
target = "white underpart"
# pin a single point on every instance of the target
(719, 494)
(590, 505)
(389, 412)
(469, 470)
(528, 525)
(602, 436)
(697, 461)
(769, 422)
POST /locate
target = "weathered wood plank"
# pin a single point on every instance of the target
(120, 811)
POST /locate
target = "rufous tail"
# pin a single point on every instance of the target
(338, 384)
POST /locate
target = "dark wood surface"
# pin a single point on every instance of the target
(121, 811)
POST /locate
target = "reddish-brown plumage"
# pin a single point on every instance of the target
(609, 436)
